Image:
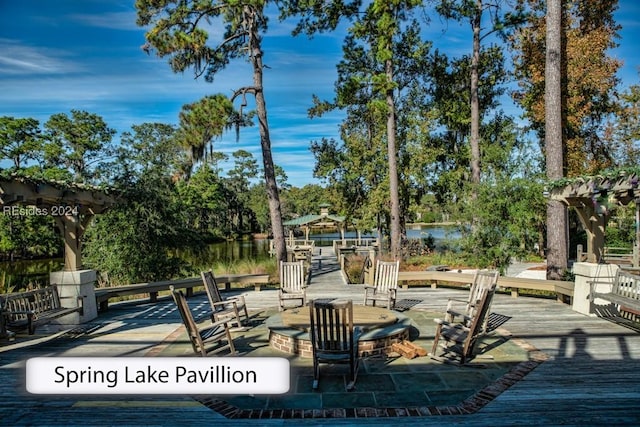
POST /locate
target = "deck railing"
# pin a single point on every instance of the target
(623, 256)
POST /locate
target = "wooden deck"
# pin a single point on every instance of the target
(591, 375)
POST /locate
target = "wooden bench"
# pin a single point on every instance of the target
(624, 291)
(103, 295)
(563, 289)
(26, 310)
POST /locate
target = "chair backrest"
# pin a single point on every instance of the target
(386, 275)
(482, 280)
(210, 285)
(292, 277)
(332, 327)
(187, 319)
(477, 324)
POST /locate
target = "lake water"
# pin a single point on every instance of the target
(21, 273)
(439, 234)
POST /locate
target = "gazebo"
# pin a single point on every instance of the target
(321, 221)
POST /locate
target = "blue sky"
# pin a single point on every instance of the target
(86, 54)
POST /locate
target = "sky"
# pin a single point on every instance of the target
(60, 55)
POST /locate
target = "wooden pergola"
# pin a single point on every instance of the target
(593, 197)
(72, 205)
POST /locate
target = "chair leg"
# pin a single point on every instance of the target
(354, 365)
(232, 348)
(434, 348)
(316, 373)
(238, 321)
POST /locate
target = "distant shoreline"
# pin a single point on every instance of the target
(429, 224)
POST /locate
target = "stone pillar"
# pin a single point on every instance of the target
(584, 273)
(72, 284)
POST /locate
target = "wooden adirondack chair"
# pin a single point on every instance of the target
(204, 340)
(223, 308)
(482, 280)
(293, 284)
(461, 338)
(333, 338)
(385, 284)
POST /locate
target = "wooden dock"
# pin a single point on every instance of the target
(591, 375)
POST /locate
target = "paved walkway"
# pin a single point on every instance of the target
(155, 329)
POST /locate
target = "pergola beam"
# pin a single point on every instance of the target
(72, 206)
(591, 197)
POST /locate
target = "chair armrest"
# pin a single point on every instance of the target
(599, 282)
(442, 322)
(222, 322)
(592, 288)
(369, 286)
(223, 304)
(453, 313)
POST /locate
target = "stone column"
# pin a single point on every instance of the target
(73, 284)
(584, 273)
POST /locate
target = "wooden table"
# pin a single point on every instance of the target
(366, 317)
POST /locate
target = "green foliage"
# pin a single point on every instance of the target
(19, 140)
(305, 200)
(621, 227)
(202, 121)
(79, 143)
(510, 220)
(148, 229)
(202, 199)
(29, 236)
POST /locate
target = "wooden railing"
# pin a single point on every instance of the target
(563, 289)
(623, 256)
(361, 244)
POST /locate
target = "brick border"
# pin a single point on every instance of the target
(468, 406)
(302, 346)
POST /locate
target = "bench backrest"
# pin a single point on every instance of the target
(627, 285)
(37, 301)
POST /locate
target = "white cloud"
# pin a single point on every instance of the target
(17, 58)
(111, 20)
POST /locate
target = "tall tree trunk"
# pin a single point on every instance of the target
(475, 104)
(557, 242)
(392, 153)
(265, 143)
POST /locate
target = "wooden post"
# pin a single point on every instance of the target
(594, 224)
